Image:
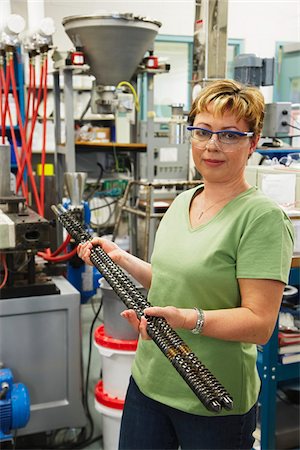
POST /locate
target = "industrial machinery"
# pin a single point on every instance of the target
(83, 277)
(123, 93)
(252, 70)
(113, 65)
(14, 405)
(110, 62)
(45, 351)
(23, 233)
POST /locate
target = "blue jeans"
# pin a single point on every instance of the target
(147, 424)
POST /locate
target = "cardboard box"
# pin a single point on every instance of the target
(100, 134)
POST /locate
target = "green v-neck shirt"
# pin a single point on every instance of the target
(250, 237)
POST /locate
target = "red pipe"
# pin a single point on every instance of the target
(43, 158)
(23, 137)
(28, 148)
(6, 81)
(34, 88)
(29, 92)
(62, 246)
(1, 106)
(13, 135)
(58, 259)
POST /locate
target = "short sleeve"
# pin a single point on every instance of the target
(266, 247)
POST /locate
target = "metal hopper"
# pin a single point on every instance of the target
(113, 44)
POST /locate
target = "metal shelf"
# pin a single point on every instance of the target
(271, 372)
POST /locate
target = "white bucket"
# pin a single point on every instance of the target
(117, 358)
(111, 410)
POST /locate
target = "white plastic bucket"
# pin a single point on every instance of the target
(117, 358)
(111, 410)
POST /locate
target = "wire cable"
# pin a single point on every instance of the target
(88, 370)
(104, 206)
(290, 125)
(85, 109)
(97, 185)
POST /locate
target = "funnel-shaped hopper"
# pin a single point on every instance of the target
(75, 182)
(113, 44)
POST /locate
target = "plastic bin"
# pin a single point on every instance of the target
(117, 358)
(111, 410)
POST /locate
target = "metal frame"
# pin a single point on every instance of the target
(150, 216)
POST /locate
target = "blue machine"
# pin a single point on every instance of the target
(83, 277)
(14, 405)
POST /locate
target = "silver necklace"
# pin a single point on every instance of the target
(214, 204)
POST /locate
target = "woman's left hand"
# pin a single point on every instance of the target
(176, 318)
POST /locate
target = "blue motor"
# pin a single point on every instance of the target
(14, 405)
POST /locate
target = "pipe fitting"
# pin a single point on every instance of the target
(9, 35)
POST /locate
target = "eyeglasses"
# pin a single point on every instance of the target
(226, 137)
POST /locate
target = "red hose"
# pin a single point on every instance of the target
(23, 137)
(43, 158)
(27, 154)
(62, 246)
(34, 89)
(6, 80)
(1, 107)
(13, 135)
(58, 259)
(29, 93)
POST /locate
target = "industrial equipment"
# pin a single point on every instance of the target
(14, 405)
(23, 233)
(45, 352)
(252, 70)
(123, 93)
(83, 277)
(111, 62)
(210, 41)
(277, 119)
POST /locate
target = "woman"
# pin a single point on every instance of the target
(221, 259)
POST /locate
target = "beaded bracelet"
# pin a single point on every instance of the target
(200, 321)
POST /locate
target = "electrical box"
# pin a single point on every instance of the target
(277, 119)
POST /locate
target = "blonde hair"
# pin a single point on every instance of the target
(245, 102)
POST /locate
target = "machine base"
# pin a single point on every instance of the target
(46, 288)
(41, 344)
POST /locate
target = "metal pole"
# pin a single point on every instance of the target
(69, 118)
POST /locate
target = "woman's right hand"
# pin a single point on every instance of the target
(112, 249)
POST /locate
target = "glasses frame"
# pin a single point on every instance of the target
(236, 133)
